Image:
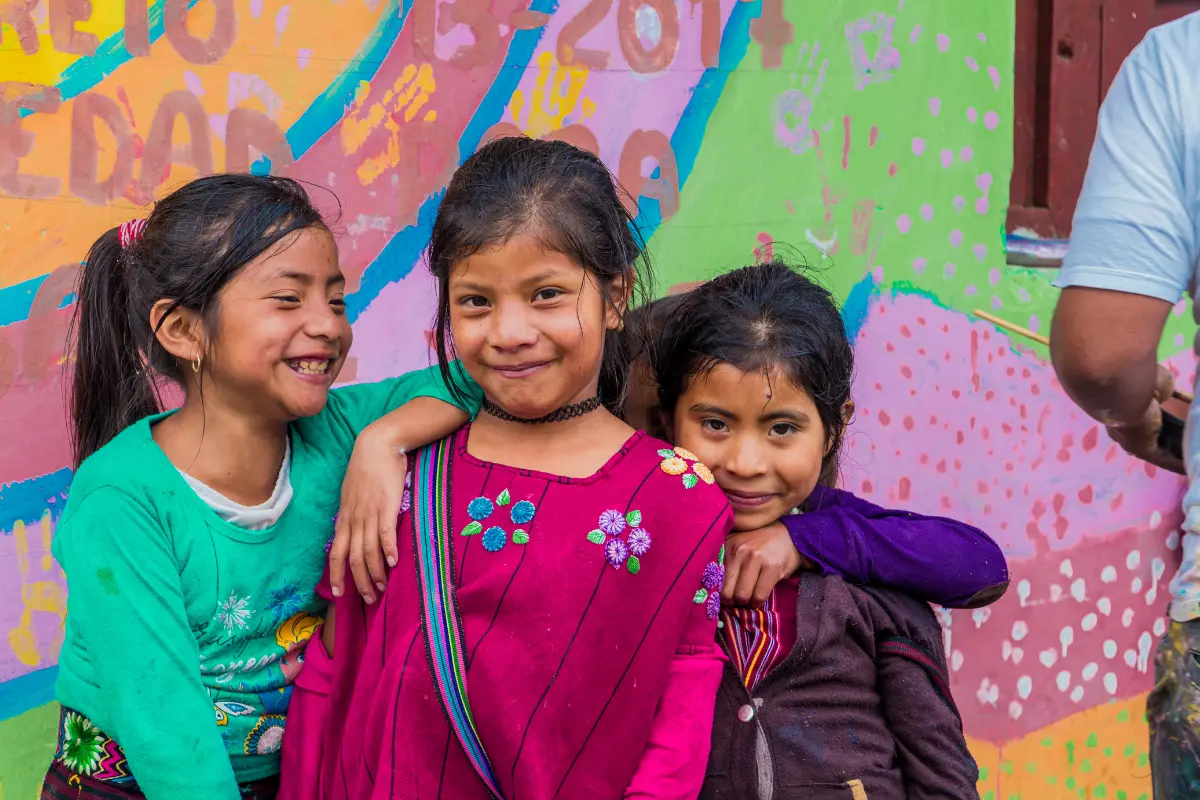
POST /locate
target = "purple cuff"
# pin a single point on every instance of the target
(939, 560)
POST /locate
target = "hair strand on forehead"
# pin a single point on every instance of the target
(566, 199)
(765, 318)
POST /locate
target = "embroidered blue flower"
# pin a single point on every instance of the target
(639, 542)
(612, 522)
(494, 538)
(522, 512)
(480, 508)
(616, 552)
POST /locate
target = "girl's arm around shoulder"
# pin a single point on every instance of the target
(126, 606)
(420, 409)
(352, 408)
(940, 560)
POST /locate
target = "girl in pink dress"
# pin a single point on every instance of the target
(545, 632)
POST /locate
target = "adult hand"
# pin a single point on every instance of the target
(365, 532)
(1140, 439)
(757, 560)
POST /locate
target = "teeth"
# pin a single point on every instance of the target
(312, 367)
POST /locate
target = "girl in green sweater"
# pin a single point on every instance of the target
(193, 539)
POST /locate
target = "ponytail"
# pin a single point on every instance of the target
(194, 242)
(111, 388)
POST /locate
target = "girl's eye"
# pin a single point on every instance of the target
(473, 301)
(339, 304)
(714, 425)
(783, 429)
(547, 294)
(287, 298)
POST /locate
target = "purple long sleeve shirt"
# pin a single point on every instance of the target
(939, 560)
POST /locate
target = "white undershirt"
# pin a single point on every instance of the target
(254, 518)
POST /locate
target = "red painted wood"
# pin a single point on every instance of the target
(1067, 54)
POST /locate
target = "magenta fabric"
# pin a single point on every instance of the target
(307, 713)
(676, 754)
(568, 649)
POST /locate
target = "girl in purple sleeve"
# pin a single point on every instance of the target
(834, 691)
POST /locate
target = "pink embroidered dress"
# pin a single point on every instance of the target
(587, 632)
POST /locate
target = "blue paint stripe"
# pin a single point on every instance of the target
(28, 500)
(689, 132)
(402, 251)
(110, 54)
(329, 107)
(854, 310)
(27, 692)
(321, 116)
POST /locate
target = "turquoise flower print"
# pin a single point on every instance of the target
(285, 601)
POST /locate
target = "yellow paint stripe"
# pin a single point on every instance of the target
(1095, 753)
(38, 236)
(47, 65)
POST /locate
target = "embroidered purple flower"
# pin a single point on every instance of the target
(712, 606)
(494, 538)
(522, 512)
(612, 522)
(714, 576)
(616, 552)
(639, 542)
(480, 508)
(406, 501)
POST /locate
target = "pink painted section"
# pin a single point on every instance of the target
(953, 420)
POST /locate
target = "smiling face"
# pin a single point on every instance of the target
(761, 436)
(282, 334)
(529, 326)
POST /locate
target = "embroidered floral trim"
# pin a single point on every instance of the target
(495, 537)
(678, 461)
(522, 512)
(709, 592)
(624, 541)
(266, 737)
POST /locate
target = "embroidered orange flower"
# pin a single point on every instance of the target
(674, 466)
(685, 454)
(704, 472)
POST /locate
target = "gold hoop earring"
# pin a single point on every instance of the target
(196, 365)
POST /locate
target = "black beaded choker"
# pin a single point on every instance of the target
(564, 413)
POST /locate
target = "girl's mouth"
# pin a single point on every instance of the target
(311, 368)
(521, 370)
(748, 500)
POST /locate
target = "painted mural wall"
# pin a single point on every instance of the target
(873, 137)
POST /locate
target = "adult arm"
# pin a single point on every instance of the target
(127, 603)
(1131, 257)
(940, 560)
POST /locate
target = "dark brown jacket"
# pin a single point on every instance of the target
(860, 709)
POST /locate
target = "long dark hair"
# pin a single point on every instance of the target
(564, 196)
(762, 318)
(196, 239)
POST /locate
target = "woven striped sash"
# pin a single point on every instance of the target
(432, 540)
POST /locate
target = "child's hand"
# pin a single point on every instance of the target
(757, 560)
(372, 493)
